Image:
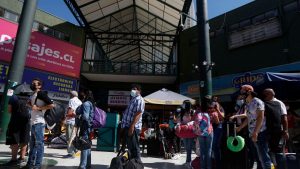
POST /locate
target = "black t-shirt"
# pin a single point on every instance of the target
(20, 111)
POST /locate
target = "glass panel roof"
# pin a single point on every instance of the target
(135, 30)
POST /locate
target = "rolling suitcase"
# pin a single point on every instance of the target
(230, 159)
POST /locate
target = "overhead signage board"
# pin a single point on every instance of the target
(51, 82)
(44, 52)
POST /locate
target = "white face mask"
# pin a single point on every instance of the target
(133, 93)
(240, 102)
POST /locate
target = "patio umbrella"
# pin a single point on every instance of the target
(166, 97)
(22, 88)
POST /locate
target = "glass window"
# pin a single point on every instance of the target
(57, 34)
(1, 12)
(11, 16)
(290, 7)
(41, 27)
(258, 18)
(219, 32)
(271, 14)
(67, 37)
(50, 31)
(245, 23)
(35, 26)
(234, 27)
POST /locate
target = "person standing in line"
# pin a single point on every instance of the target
(217, 118)
(204, 130)
(17, 135)
(84, 124)
(256, 126)
(40, 102)
(186, 118)
(277, 123)
(74, 102)
(132, 121)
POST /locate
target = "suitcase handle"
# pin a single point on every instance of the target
(234, 128)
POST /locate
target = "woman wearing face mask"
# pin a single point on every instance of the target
(240, 110)
(186, 117)
(239, 116)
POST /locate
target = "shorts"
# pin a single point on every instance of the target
(18, 132)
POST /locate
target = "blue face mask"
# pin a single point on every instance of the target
(133, 93)
(240, 102)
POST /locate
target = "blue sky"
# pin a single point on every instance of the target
(215, 7)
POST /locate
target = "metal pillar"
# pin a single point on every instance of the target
(19, 54)
(205, 63)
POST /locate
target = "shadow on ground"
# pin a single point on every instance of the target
(161, 165)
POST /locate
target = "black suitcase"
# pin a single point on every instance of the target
(288, 160)
(120, 161)
(230, 159)
(153, 147)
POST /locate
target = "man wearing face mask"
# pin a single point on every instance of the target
(132, 121)
(256, 126)
(39, 102)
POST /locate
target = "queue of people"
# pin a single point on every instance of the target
(262, 123)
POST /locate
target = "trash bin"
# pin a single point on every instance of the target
(107, 136)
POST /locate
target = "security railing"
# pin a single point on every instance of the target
(138, 68)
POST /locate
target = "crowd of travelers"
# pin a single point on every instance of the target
(262, 123)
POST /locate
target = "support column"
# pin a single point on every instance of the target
(204, 51)
(17, 63)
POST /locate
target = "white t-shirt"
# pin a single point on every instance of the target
(73, 104)
(37, 116)
(251, 109)
(282, 106)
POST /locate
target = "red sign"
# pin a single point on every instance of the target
(44, 52)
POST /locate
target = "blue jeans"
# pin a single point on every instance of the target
(260, 151)
(85, 156)
(36, 152)
(85, 159)
(216, 147)
(188, 145)
(205, 151)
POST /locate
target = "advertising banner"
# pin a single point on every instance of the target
(44, 52)
(118, 98)
(58, 84)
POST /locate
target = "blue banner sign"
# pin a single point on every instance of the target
(51, 82)
(253, 79)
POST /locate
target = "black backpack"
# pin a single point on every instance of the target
(22, 109)
(273, 115)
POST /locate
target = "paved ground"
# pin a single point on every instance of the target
(54, 159)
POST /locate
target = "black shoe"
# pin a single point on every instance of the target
(10, 163)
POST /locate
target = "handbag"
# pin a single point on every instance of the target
(81, 143)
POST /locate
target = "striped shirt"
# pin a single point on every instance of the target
(136, 104)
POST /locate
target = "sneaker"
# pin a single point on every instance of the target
(77, 154)
(10, 163)
(175, 156)
(22, 162)
(69, 156)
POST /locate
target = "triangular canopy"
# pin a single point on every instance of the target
(166, 97)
